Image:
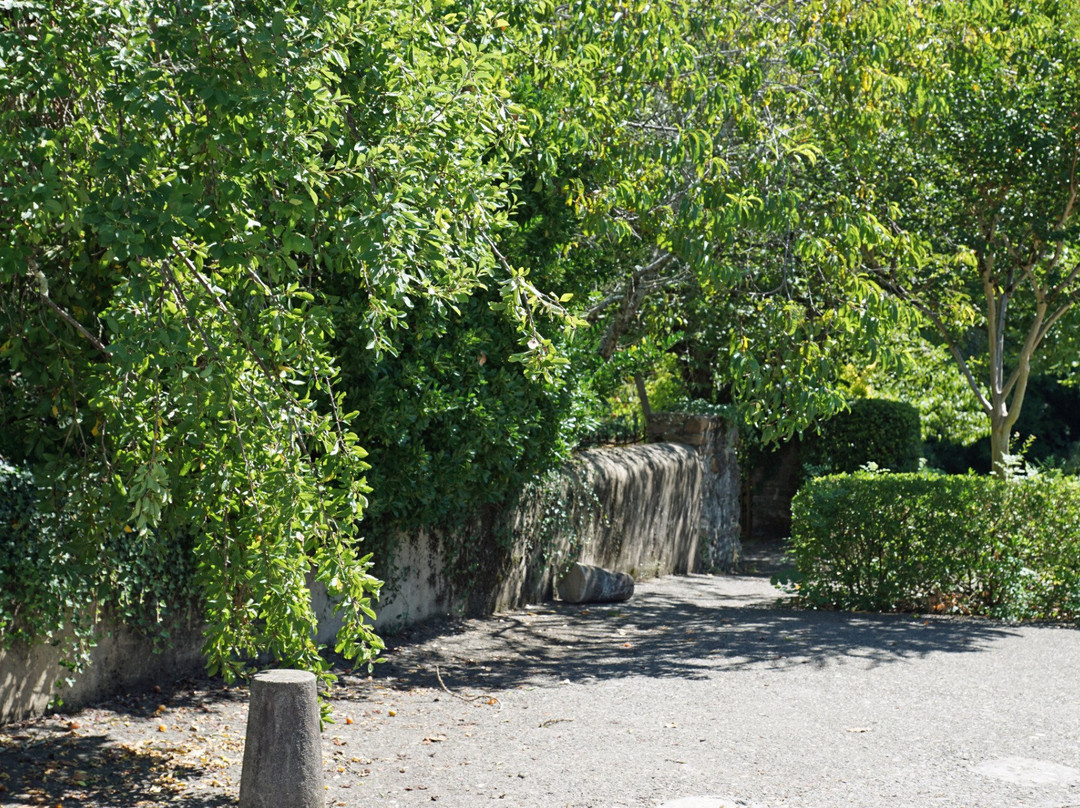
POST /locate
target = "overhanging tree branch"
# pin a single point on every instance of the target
(954, 349)
(630, 297)
(67, 318)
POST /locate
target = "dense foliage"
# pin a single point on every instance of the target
(452, 423)
(873, 430)
(250, 243)
(678, 132)
(198, 200)
(47, 581)
(34, 572)
(930, 542)
(954, 127)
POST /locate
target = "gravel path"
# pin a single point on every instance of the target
(699, 687)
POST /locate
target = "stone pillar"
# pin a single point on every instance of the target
(715, 441)
(283, 748)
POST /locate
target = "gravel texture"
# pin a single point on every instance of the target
(700, 692)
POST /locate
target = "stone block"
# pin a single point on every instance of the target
(588, 584)
(696, 423)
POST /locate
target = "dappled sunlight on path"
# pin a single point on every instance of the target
(698, 685)
(678, 627)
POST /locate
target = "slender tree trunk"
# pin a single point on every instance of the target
(999, 446)
(643, 394)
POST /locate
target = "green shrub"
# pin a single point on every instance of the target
(874, 430)
(933, 542)
(39, 581)
(54, 583)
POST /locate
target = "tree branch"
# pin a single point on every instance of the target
(642, 280)
(636, 277)
(67, 318)
(954, 349)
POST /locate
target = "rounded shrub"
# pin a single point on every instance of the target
(874, 430)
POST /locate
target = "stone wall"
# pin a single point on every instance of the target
(122, 660)
(715, 441)
(651, 510)
(636, 509)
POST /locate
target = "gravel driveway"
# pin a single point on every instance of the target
(700, 687)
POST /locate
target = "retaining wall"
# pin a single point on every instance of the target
(635, 509)
(646, 510)
(122, 660)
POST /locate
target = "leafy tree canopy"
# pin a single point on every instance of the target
(956, 125)
(193, 195)
(680, 136)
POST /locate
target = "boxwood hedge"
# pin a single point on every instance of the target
(932, 542)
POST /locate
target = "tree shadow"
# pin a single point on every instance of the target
(52, 768)
(693, 629)
(198, 694)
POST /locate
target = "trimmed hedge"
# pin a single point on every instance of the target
(874, 430)
(934, 542)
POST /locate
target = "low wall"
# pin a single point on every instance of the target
(30, 676)
(716, 442)
(636, 509)
(646, 510)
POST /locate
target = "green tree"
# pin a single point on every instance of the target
(197, 199)
(679, 135)
(958, 126)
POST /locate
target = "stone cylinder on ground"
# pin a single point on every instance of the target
(585, 583)
(283, 747)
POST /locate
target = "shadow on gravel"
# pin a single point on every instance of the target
(692, 633)
(58, 769)
(190, 694)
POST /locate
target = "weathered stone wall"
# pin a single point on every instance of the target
(715, 442)
(645, 510)
(635, 509)
(121, 661)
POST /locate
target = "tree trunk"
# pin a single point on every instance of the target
(999, 445)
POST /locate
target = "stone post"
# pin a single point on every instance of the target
(715, 440)
(283, 747)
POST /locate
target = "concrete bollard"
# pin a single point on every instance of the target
(283, 746)
(588, 584)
